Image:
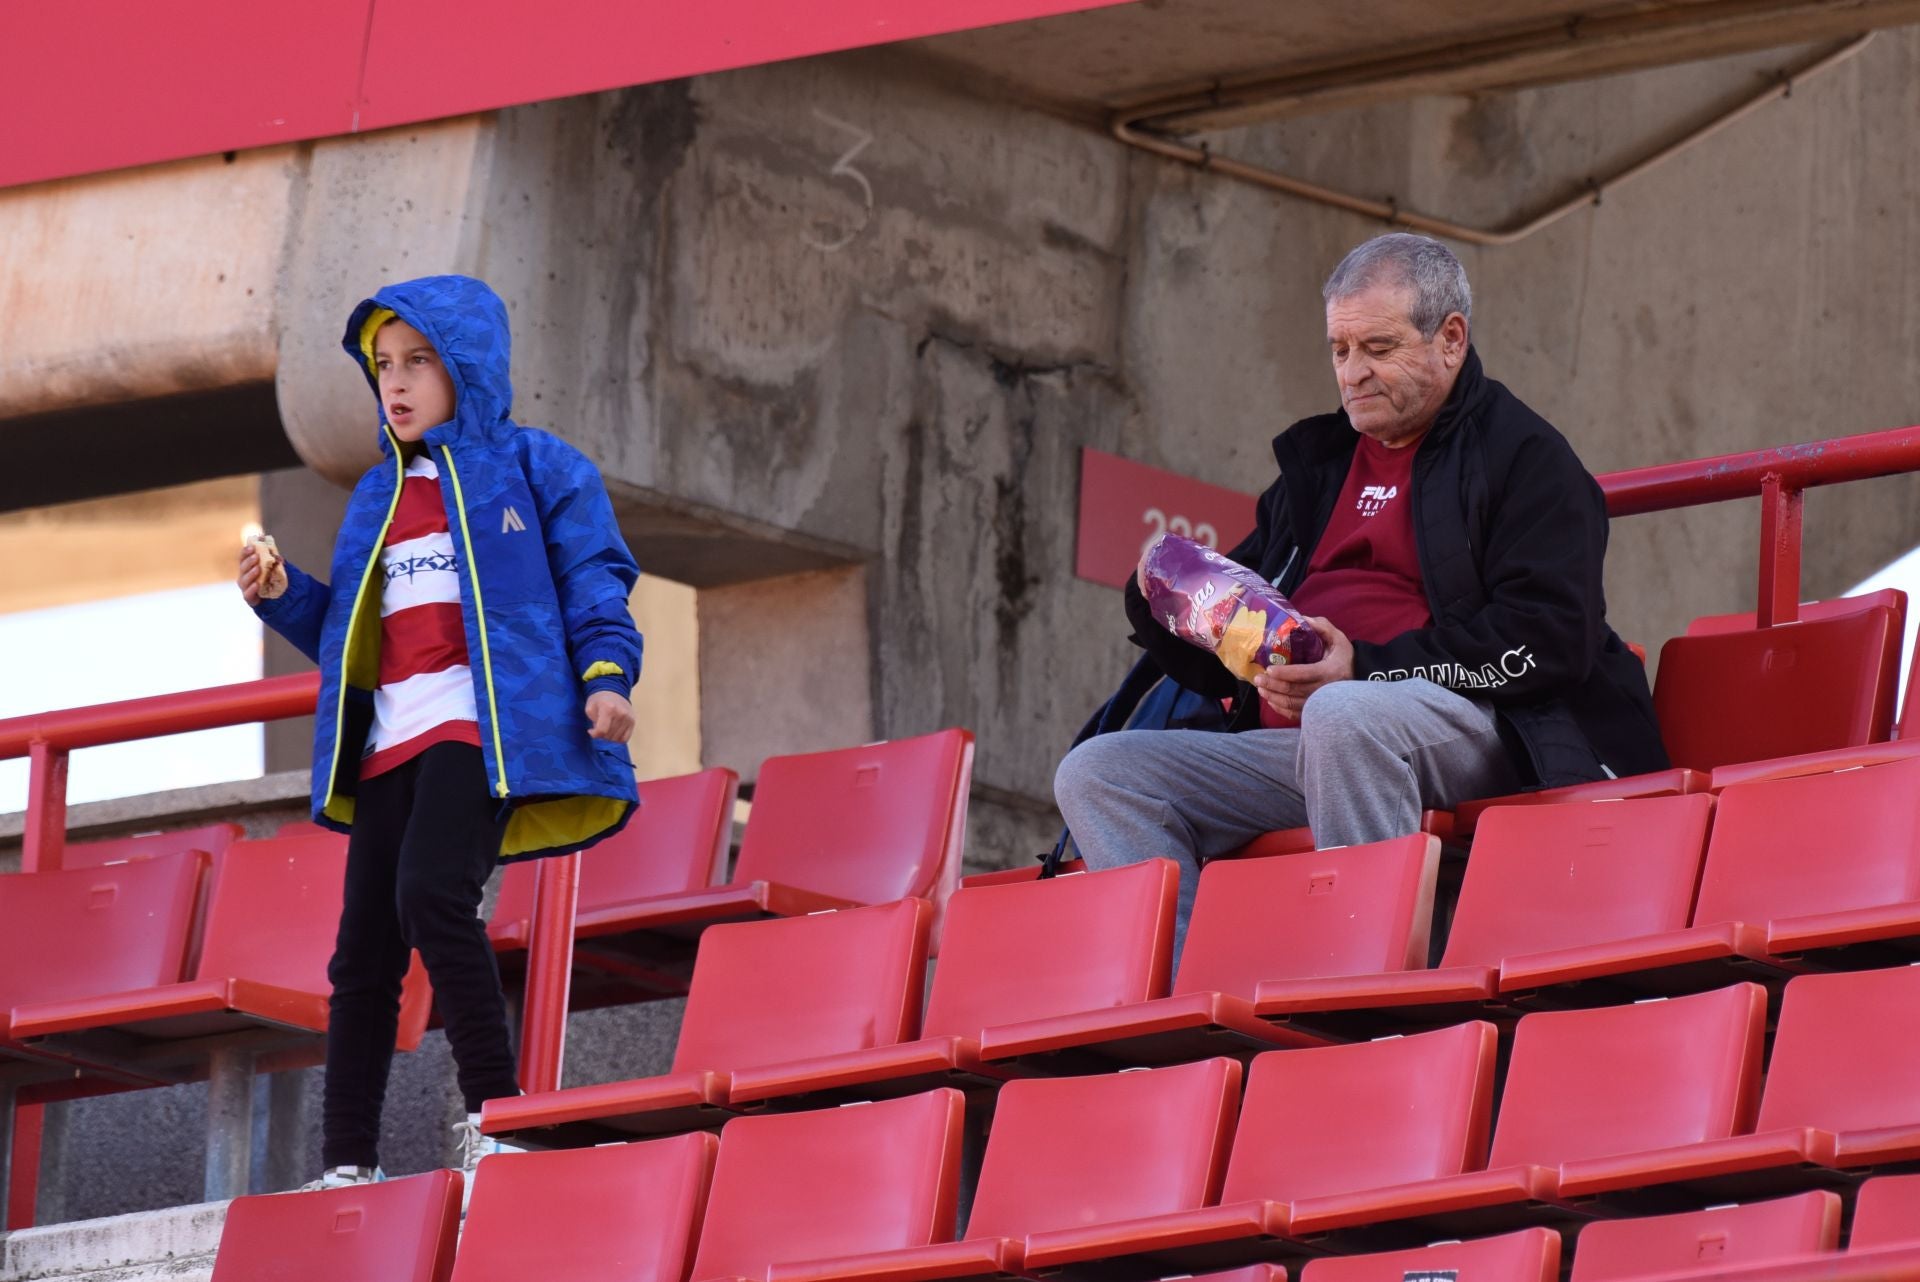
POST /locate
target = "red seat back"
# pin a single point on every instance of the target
(1356, 910)
(1034, 949)
(1072, 1151)
(1338, 1119)
(1887, 1213)
(275, 910)
(1724, 1237)
(1626, 1079)
(836, 1182)
(768, 992)
(212, 838)
(1774, 692)
(1813, 844)
(676, 841)
(1713, 625)
(1846, 1053)
(80, 932)
(1531, 1255)
(870, 824)
(396, 1231)
(1545, 877)
(618, 1213)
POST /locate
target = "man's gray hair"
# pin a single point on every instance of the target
(1418, 263)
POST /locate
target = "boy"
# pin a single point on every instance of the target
(476, 654)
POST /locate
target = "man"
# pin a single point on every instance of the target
(1447, 545)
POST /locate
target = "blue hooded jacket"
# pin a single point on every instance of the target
(544, 580)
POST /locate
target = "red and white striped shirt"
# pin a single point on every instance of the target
(426, 689)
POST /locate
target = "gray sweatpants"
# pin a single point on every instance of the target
(1368, 757)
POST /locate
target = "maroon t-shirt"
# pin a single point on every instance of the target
(1364, 574)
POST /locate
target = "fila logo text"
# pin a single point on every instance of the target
(1375, 497)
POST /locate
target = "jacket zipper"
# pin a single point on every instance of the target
(353, 618)
(480, 617)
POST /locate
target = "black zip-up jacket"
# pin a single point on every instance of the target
(1512, 536)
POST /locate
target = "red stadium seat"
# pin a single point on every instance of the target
(396, 1231)
(1531, 1255)
(1015, 955)
(1552, 894)
(675, 844)
(1332, 912)
(1822, 861)
(1067, 1153)
(1582, 1085)
(210, 838)
(1886, 1213)
(854, 1180)
(1316, 1123)
(1661, 783)
(1775, 692)
(835, 829)
(1842, 1090)
(618, 1213)
(76, 933)
(1293, 841)
(1846, 607)
(1721, 1238)
(764, 992)
(262, 973)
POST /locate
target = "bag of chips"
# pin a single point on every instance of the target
(1223, 607)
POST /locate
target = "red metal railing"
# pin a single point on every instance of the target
(1778, 477)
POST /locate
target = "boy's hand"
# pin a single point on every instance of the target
(249, 579)
(1285, 687)
(612, 716)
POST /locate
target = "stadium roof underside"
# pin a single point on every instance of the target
(95, 85)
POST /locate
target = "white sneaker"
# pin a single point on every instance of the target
(474, 1145)
(339, 1177)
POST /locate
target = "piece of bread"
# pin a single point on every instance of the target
(273, 566)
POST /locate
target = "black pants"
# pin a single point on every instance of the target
(425, 839)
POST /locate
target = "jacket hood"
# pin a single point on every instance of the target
(467, 324)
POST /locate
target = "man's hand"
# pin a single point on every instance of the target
(612, 716)
(1285, 687)
(249, 579)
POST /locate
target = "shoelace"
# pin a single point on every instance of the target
(473, 1145)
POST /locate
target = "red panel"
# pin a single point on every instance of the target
(1067, 1152)
(621, 1213)
(397, 1231)
(1723, 1237)
(841, 1181)
(212, 838)
(677, 841)
(1545, 878)
(429, 58)
(869, 824)
(1339, 1119)
(1628, 1079)
(1813, 844)
(97, 84)
(1531, 1255)
(1123, 504)
(1356, 910)
(1887, 1213)
(102, 84)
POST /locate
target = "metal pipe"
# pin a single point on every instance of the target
(273, 699)
(229, 1124)
(1125, 127)
(543, 1035)
(1740, 476)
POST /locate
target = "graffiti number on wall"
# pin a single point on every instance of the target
(1186, 529)
(843, 168)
